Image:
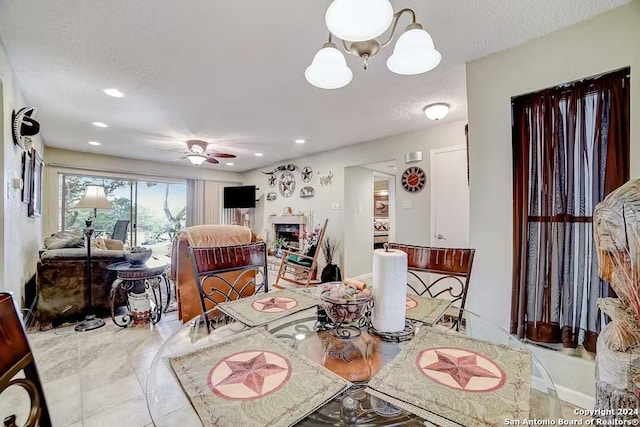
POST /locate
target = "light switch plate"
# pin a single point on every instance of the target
(407, 204)
(335, 206)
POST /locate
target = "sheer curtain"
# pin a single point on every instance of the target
(204, 202)
(570, 149)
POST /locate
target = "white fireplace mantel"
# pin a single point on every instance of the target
(288, 219)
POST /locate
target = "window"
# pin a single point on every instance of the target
(570, 149)
(156, 210)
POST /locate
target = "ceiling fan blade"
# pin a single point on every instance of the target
(172, 150)
(222, 155)
(212, 160)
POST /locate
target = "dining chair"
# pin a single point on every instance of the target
(120, 230)
(226, 273)
(452, 267)
(16, 357)
(297, 267)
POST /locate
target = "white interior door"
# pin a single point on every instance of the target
(449, 198)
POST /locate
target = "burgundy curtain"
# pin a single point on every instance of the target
(570, 149)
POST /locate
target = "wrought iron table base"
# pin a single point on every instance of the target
(151, 288)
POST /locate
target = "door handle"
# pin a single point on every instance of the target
(440, 237)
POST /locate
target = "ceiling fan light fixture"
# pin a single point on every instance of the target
(436, 111)
(359, 20)
(196, 158)
(414, 53)
(328, 70)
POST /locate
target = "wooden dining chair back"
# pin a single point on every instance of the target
(452, 267)
(226, 273)
(297, 267)
(16, 357)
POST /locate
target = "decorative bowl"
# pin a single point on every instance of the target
(344, 304)
(137, 255)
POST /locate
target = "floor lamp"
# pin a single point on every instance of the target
(94, 198)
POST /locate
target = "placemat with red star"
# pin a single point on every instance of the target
(253, 379)
(451, 379)
(261, 309)
(426, 310)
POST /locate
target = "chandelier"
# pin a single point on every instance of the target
(358, 23)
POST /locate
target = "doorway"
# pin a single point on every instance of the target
(449, 198)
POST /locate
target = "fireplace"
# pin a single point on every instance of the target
(289, 227)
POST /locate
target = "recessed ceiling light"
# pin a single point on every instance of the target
(114, 92)
(258, 154)
(300, 141)
(93, 143)
(229, 164)
(99, 124)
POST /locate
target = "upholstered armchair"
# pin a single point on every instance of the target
(182, 274)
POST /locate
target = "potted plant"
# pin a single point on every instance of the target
(331, 272)
(279, 243)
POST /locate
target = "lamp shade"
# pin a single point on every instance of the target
(328, 70)
(414, 53)
(359, 20)
(196, 159)
(94, 198)
(436, 111)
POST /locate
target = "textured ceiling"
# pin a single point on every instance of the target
(231, 71)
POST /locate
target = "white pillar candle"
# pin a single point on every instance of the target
(389, 290)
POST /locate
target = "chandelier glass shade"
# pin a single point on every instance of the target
(359, 20)
(196, 159)
(358, 23)
(414, 53)
(329, 70)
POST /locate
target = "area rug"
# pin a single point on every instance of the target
(261, 309)
(450, 379)
(426, 310)
(253, 379)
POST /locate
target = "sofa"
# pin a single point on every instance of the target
(61, 278)
(189, 305)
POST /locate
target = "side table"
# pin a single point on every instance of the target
(142, 283)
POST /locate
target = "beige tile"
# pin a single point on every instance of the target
(166, 329)
(104, 372)
(132, 413)
(141, 361)
(110, 395)
(62, 388)
(66, 412)
(184, 416)
(15, 400)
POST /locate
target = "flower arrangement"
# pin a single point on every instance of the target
(329, 247)
(310, 238)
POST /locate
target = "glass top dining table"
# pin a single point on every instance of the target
(355, 360)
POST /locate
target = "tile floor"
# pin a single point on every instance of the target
(96, 378)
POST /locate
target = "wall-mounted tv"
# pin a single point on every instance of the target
(240, 197)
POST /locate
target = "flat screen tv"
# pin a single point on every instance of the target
(240, 197)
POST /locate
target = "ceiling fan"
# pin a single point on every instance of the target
(197, 153)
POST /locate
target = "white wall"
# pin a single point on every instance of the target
(412, 224)
(58, 161)
(358, 220)
(20, 235)
(605, 43)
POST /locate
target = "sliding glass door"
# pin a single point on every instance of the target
(160, 213)
(156, 211)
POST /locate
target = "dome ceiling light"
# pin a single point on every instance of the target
(358, 23)
(436, 111)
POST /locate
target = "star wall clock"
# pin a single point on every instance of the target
(287, 184)
(307, 173)
(413, 179)
(272, 180)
